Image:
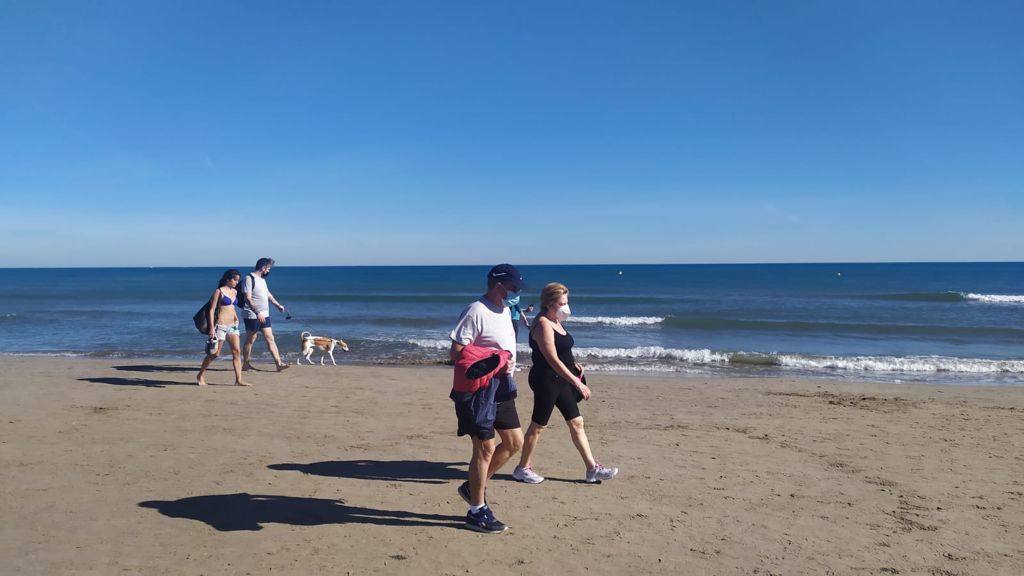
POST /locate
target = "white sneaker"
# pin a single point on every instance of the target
(599, 473)
(527, 475)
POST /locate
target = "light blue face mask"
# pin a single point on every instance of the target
(512, 299)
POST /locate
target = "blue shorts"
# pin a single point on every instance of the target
(253, 324)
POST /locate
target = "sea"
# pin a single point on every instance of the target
(943, 323)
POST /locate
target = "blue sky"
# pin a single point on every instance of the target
(198, 133)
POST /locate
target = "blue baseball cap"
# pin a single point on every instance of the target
(508, 275)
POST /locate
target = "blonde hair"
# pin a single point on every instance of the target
(551, 293)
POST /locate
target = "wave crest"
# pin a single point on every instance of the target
(698, 356)
(425, 343)
(904, 364)
(916, 364)
(617, 320)
(996, 298)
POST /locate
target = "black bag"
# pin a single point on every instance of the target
(202, 319)
(243, 296)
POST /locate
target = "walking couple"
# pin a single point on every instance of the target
(255, 303)
(485, 391)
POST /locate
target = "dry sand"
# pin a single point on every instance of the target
(113, 467)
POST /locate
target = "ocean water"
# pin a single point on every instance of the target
(943, 323)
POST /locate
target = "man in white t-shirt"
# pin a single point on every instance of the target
(487, 323)
(256, 313)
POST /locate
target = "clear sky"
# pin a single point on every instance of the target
(198, 133)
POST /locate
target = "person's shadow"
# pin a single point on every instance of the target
(135, 382)
(422, 471)
(231, 512)
(160, 368)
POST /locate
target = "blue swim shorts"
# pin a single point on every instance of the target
(253, 324)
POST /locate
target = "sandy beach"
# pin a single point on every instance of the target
(110, 467)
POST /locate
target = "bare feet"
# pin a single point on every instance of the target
(283, 367)
(240, 383)
(200, 381)
(247, 367)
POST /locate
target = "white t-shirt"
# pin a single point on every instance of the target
(258, 296)
(484, 324)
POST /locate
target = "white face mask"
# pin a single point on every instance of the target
(563, 312)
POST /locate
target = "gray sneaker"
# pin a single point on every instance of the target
(599, 473)
(527, 475)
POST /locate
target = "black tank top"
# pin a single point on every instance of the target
(563, 348)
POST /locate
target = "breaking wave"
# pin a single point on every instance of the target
(921, 364)
(617, 320)
(904, 364)
(802, 326)
(996, 298)
(434, 344)
(690, 356)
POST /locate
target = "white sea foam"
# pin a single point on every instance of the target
(996, 298)
(660, 359)
(675, 368)
(425, 343)
(701, 356)
(903, 364)
(445, 344)
(644, 354)
(617, 320)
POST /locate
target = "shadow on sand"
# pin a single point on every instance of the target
(547, 478)
(421, 471)
(230, 512)
(158, 368)
(135, 382)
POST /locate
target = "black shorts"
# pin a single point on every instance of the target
(549, 391)
(253, 324)
(507, 417)
(479, 415)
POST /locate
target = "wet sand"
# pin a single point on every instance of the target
(110, 467)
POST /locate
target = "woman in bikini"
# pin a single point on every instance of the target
(224, 325)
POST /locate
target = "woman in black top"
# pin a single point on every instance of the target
(556, 380)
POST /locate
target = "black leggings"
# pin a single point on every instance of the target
(549, 391)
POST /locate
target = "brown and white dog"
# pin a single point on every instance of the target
(326, 345)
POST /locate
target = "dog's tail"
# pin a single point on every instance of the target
(305, 335)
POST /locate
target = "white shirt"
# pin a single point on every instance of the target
(258, 295)
(484, 324)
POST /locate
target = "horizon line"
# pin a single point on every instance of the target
(771, 263)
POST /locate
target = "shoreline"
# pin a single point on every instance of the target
(835, 376)
(114, 465)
